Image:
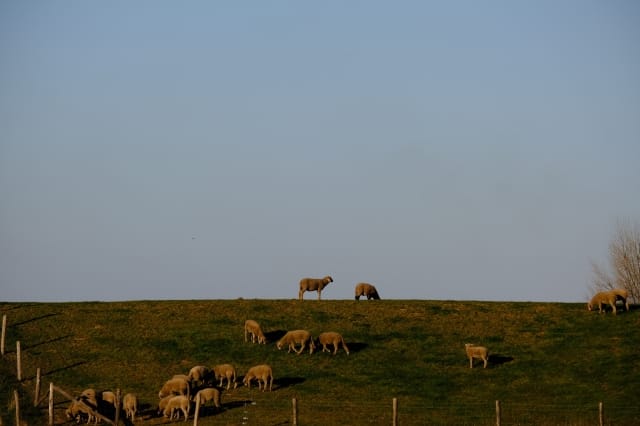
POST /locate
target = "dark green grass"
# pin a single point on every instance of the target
(551, 363)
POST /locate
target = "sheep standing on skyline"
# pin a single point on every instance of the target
(603, 298)
(313, 284)
(368, 290)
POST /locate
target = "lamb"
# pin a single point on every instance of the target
(262, 373)
(208, 394)
(130, 405)
(252, 327)
(622, 295)
(332, 338)
(80, 410)
(364, 289)
(603, 298)
(313, 284)
(479, 352)
(297, 336)
(198, 375)
(163, 403)
(175, 405)
(225, 371)
(175, 387)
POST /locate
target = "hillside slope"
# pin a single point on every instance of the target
(551, 363)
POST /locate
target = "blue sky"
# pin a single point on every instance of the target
(215, 150)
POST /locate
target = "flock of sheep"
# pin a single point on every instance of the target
(177, 394)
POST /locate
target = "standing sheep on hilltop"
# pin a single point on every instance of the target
(368, 290)
(313, 284)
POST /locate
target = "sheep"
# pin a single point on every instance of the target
(108, 397)
(198, 375)
(364, 289)
(130, 405)
(225, 371)
(297, 336)
(181, 376)
(175, 405)
(80, 410)
(603, 298)
(313, 284)
(162, 404)
(262, 373)
(175, 387)
(622, 295)
(479, 352)
(252, 327)
(332, 338)
(208, 394)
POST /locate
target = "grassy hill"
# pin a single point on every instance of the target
(551, 363)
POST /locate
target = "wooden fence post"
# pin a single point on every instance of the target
(197, 412)
(51, 404)
(395, 411)
(36, 396)
(294, 405)
(18, 361)
(601, 413)
(4, 333)
(117, 419)
(16, 398)
(498, 413)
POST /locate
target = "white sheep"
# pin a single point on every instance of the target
(263, 375)
(175, 405)
(293, 337)
(479, 352)
(175, 387)
(225, 371)
(252, 328)
(109, 398)
(198, 375)
(313, 284)
(130, 405)
(332, 338)
(80, 410)
(368, 290)
(208, 394)
(162, 404)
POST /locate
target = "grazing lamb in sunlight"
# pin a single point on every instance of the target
(479, 352)
(368, 290)
(252, 328)
(313, 284)
(303, 337)
(175, 387)
(262, 374)
(175, 405)
(332, 338)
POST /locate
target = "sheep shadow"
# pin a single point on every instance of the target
(285, 382)
(274, 335)
(357, 346)
(498, 360)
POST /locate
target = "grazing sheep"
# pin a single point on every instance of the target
(208, 394)
(181, 376)
(198, 375)
(297, 336)
(252, 327)
(225, 371)
(622, 295)
(332, 338)
(602, 299)
(79, 410)
(262, 374)
(175, 387)
(175, 405)
(364, 289)
(313, 284)
(162, 404)
(130, 405)
(479, 352)
(108, 397)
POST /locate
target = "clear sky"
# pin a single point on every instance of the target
(469, 150)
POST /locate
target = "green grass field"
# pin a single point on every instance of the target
(551, 363)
